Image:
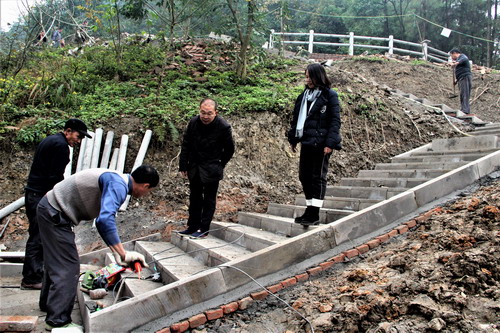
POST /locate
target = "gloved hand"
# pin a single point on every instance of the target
(130, 257)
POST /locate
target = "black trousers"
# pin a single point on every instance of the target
(202, 202)
(465, 87)
(62, 265)
(33, 257)
(313, 168)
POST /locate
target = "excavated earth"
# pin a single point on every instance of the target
(443, 276)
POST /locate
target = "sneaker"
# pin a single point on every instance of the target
(185, 232)
(31, 286)
(49, 327)
(199, 234)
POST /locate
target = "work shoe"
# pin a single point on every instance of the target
(185, 232)
(312, 218)
(31, 286)
(49, 327)
(199, 234)
(304, 216)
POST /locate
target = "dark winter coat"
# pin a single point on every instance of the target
(49, 163)
(322, 125)
(206, 149)
(463, 67)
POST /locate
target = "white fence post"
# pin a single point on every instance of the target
(271, 39)
(391, 44)
(351, 43)
(311, 41)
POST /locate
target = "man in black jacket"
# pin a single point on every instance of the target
(206, 148)
(49, 163)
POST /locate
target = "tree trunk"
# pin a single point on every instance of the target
(244, 37)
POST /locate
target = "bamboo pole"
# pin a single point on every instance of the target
(81, 154)
(88, 152)
(120, 166)
(114, 159)
(67, 171)
(94, 162)
(106, 153)
(138, 161)
(11, 208)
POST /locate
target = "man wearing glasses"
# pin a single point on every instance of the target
(49, 163)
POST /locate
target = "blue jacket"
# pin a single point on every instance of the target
(322, 125)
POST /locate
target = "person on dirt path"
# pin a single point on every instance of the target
(206, 149)
(463, 77)
(88, 194)
(316, 125)
(47, 169)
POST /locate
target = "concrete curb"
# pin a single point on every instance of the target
(213, 287)
(313, 272)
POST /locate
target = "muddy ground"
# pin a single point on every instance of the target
(443, 276)
(376, 126)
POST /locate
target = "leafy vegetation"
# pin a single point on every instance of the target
(95, 88)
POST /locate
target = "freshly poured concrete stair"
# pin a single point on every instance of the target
(199, 274)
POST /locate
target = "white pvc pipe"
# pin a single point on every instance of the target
(138, 161)
(88, 152)
(120, 166)
(11, 208)
(67, 171)
(94, 162)
(106, 153)
(81, 154)
(114, 159)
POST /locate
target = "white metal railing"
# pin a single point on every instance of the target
(422, 49)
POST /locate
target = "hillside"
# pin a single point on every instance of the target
(375, 126)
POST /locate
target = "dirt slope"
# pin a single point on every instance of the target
(442, 276)
(375, 127)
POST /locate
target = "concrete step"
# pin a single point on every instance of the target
(450, 158)
(326, 215)
(402, 173)
(444, 107)
(348, 204)
(376, 193)
(383, 182)
(492, 131)
(283, 226)
(173, 263)
(210, 250)
(245, 236)
(417, 165)
(489, 126)
(135, 287)
(482, 152)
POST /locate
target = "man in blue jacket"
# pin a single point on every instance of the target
(88, 194)
(49, 163)
(463, 77)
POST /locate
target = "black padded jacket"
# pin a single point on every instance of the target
(206, 149)
(322, 125)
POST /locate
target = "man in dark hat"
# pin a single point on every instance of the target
(49, 163)
(463, 77)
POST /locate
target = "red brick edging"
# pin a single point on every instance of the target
(243, 303)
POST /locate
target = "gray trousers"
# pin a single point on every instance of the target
(465, 86)
(61, 265)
